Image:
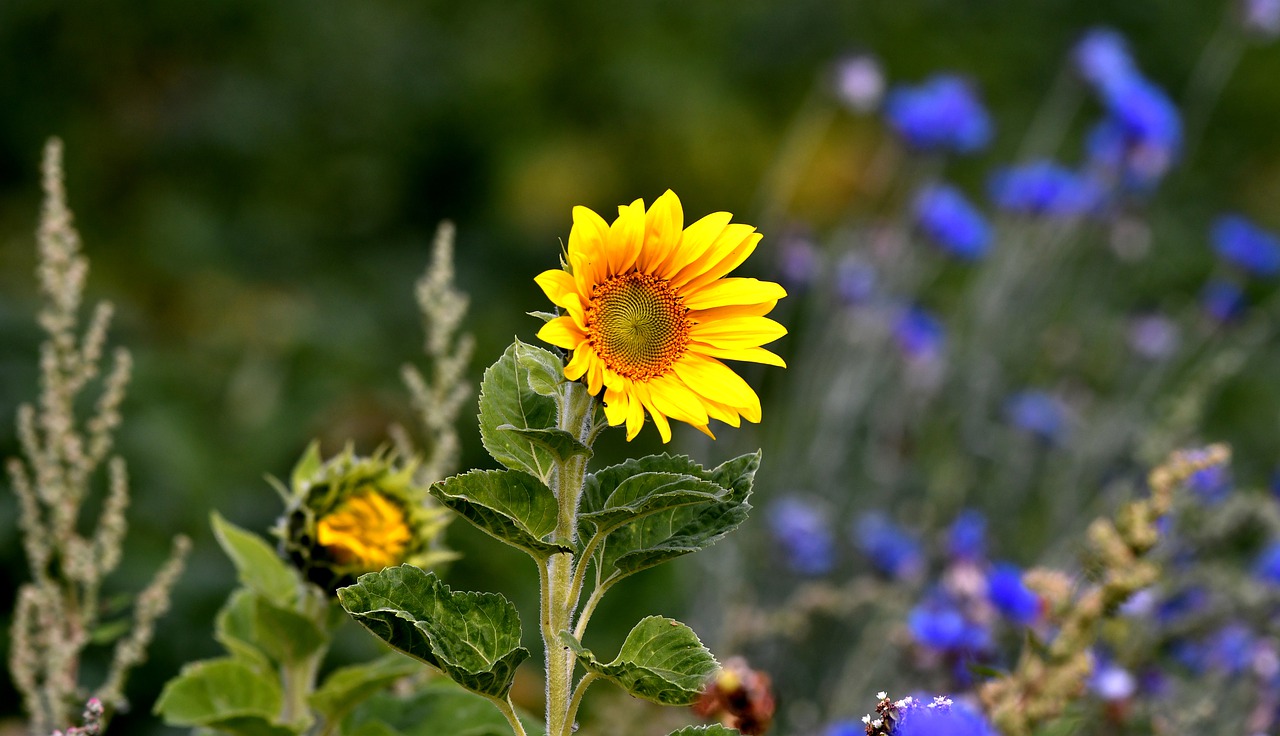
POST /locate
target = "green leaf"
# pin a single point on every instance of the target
(510, 506)
(283, 633)
(474, 638)
(546, 370)
(307, 466)
(234, 629)
(558, 442)
(258, 566)
(712, 730)
(347, 687)
(661, 661)
(667, 532)
(224, 694)
(506, 398)
(439, 707)
(613, 498)
(544, 316)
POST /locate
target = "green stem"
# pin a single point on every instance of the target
(507, 709)
(576, 701)
(576, 408)
(298, 680)
(590, 608)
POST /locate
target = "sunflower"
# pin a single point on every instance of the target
(650, 314)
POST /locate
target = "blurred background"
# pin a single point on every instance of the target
(257, 185)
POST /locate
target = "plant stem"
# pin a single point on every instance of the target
(507, 709)
(576, 701)
(576, 407)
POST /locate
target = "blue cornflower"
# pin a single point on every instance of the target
(1037, 413)
(891, 550)
(1102, 58)
(1181, 605)
(919, 334)
(1011, 597)
(1267, 567)
(1231, 649)
(1111, 682)
(960, 719)
(1044, 188)
(1150, 122)
(804, 534)
(967, 537)
(941, 114)
(855, 280)
(1243, 244)
(1222, 300)
(939, 623)
(1211, 485)
(953, 224)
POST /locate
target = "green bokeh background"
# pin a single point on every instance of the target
(257, 185)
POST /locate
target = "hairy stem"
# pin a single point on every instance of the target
(576, 701)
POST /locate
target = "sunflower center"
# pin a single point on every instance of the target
(637, 325)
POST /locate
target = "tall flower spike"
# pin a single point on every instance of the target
(649, 314)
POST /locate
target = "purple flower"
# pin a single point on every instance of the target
(967, 537)
(1149, 123)
(891, 550)
(1111, 682)
(1044, 188)
(941, 114)
(1011, 597)
(855, 280)
(1181, 605)
(939, 623)
(1230, 649)
(960, 719)
(1267, 567)
(1153, 336)
(799, 261)
(954, 225)
(920, 335)
(1262, 17)
(1102, 58)
(1223, 301)
(804, 534)
(1211, 485)
(1037, 413)
(859, 83)
(1241, 243)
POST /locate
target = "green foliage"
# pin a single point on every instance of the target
(347, 687)
(439, 708)
(545, 370)
(474, 638)
(224, 694)
(513, 507)
(258, 566)
(661, 660)
(286, 635)
(714, 730)
(508, 401)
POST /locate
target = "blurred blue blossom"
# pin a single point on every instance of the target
(1153, 336)
(1102, 58)
(1242, 243)
(919, 334)
(799, 261)
(859, 83)
(1211, 485)
(1111, 682)
(941, 114)
(889, 548)
(967, 537)
(1222, 301)
(1149, 126)
(1044, 188)
(804, 534)
(1182, 604)
(1037, 413)
(1262, 17)
(855, 280)
(951, 222)
(1011, 597)
(960, 719)
(845, 728)
(1231, 649)
(1267, 566)
(939, 623)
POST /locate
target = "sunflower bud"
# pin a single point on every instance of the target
(350, 515)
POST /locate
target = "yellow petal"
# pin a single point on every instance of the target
(722, 263)
(717, 382)
(732, 292)
(587, 248)
(641, 391)
(556, 284)
(699, 316)
(635, 415)
(694, 241)
(663, 224)
(730, 240)
(595, 377)
(626, 237)
(615, 406)
(737, 332)
(561, 332)
(583, 355)
(677, 400)
(753, 355)
(722, 413)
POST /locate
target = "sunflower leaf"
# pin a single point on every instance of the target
(546, 371)
(258, 566)
(561, 444)
(544, 316)
(714, 729)
(661, 660)
(690, 519)
(223, 694)
(347, 687)
(473, 638)
(507, 398)
(283, 633)
(625, 492)
(513, 507)
(433, 708)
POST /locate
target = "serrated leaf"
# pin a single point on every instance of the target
(507, 398)
(258, 567)
(474, 638)
(712, 730)
(546, 370)
(661, 660)
(558, 442)
(224, 694)
(509, 505)
(616, 500)
(233, 628)
(347, 687)
(284, 634)
(438, 708)
(671, 532)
